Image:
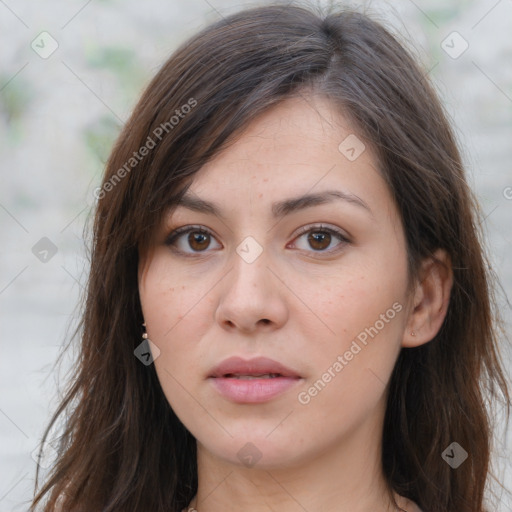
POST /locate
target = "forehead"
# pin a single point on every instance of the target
(301, 146)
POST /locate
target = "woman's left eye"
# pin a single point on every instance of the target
(320, 237)
(199, 239)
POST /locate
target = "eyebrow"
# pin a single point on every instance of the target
(280, 208)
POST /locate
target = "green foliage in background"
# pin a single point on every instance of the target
(123, 65)
(16, 96)
(100, 135)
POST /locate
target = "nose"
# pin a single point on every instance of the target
(252, 297)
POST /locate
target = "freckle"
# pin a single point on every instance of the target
(260, 196)
(183, 287)
(265, 179)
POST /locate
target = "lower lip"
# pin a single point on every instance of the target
(253, 391)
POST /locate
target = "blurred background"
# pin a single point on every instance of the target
(70, 73)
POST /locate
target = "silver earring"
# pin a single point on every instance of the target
(144, 334)
(413, 333)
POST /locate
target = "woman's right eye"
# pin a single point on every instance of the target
(198, 239)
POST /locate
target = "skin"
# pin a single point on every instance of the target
(301, 303)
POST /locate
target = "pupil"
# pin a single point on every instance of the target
(198, 239)
(319, 237)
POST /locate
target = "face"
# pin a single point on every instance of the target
(318, 286)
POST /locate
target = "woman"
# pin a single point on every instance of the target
(288, 306)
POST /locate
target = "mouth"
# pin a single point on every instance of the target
(252, 381)
(252, 377)
(258, 367)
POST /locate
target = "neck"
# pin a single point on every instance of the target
(344, 478)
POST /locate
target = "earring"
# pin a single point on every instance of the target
(413, 333)
(147, 351)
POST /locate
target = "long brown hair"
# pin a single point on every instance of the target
(123, 448)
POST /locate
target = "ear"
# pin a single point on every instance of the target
(431, 298)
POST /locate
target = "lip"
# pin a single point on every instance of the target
(255, 390)
(255, 366)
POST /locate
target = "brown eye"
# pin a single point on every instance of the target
(198, 240)
(319, 240)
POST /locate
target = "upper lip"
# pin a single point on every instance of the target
(255, 366)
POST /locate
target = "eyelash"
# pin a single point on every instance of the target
(320, 228)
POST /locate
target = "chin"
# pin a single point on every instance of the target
(257, 450)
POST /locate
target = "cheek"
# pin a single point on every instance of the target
(168, 296)
(174, 306)
(174, 309)
(349, 375)
(351, 303)
(365, 315)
